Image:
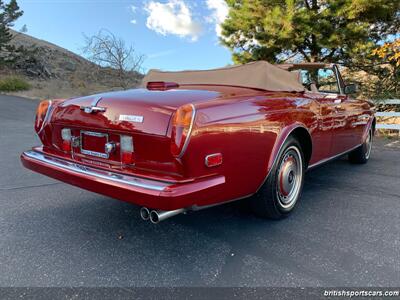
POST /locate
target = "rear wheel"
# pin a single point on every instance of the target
(361, 154)
(281, 191)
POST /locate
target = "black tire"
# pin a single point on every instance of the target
(287, 174)
(361, 154)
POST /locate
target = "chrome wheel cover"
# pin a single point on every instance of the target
(289, 177)
(368, 144)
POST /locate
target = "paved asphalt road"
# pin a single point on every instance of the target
(345, 232)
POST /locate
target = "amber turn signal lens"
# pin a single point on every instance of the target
(183, 116)
(181, 127)
(41, 112)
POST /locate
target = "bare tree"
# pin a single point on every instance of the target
(107, 50)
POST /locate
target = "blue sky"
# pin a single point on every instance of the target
(173, 34)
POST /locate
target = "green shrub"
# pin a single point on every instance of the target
(13, 84)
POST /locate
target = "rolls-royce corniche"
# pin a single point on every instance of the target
(189, 140)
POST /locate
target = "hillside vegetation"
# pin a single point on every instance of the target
(54, 72)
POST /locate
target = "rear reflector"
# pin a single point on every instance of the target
(127, 155)
(213, 160)
(66, 139)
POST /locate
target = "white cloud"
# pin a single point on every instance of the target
(173, 17)
(219, 13)
(133, 10)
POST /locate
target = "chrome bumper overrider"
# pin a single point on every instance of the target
(97, 173)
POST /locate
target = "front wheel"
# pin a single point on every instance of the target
(281, 191)
(361, 154)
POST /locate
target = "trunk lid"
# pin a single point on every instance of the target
(139, 110)
(142, 114)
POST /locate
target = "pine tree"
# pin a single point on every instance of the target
(341, 31)
(9, 13)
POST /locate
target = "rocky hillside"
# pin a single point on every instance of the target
(56, 72)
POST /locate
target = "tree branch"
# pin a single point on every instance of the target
(306, 57)
(107, 50)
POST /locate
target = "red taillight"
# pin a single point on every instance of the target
(213, 160)
(127, 158)
(41, 113)
(127, 155)
(182, 123)
(66, 146)
(66, 139)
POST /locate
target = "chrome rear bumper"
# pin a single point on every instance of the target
(97, 173)
(153, 193)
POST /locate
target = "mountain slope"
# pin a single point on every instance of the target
(57, 72)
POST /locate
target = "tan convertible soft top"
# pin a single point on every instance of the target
(259, 75)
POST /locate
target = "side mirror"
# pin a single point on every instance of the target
(351, 88)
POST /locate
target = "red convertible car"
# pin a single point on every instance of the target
(193, 139)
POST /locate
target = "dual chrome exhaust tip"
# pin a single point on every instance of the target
(156, 216)
(144, 213)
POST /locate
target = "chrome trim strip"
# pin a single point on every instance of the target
(359, 123)
(185, 145)
(339, 83)
(81, 169)
(96, 109)
(95, 101)
(337, 155)
(94, 133)
(332, 157)
(93, 106)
